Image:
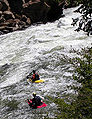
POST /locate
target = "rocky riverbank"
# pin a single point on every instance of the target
(19, 14)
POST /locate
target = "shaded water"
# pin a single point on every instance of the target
(41, 48)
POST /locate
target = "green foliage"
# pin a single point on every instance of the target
(65, 111)
(81, 107)
(83, 103)
(71, 3)
(83, 66)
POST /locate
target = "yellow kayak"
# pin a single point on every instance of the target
(37, 81)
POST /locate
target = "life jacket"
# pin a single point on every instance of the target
(35, 77)
(36, 100)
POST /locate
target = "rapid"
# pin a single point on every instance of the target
(40, 47)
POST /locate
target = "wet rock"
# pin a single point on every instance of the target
(1, 33)
(56, 11)
(5, 23)
(9, 29)
(36, 11)
(11, 22)
(6, 28)
(12, 25)
(3, 6)
(26, 20)
(0, 13)
(2, 28)
(27, 1)
(15, 5)
(19, 14)
(74, 21)
(2, 19)
(3, 69)
(8, 15)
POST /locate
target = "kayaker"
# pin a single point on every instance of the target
(36, 101)
(35, 76)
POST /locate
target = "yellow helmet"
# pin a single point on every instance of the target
(34, 94)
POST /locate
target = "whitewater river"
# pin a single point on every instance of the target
(39, 47)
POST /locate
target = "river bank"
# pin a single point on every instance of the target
(20, 14)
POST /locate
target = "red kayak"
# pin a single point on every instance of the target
(42, 105)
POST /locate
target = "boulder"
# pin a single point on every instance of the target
(24, 18)
(11, 22)
(3, 6)
(2, 28)
(2, 20)
(28, 22)
(56, 10)
(6, 2)
(19, 14)
(1, 33)
(8, 15)
(5, 24)
(27, 1)
(0, 14)
(20, 24)
(15, 5)
(36, 11)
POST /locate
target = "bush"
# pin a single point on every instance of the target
(81, 108)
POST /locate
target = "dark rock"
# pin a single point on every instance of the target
(3, 6)
(28, 22)
(24, 18)
(9, 29)
(2, 28)
(0, 13)
(1, 33)
(4, 24)
(8, 15)
(56, 11)
(36, 11)
(2, 20)
(11, 22)
(15, 5)
(27, 1)
(15, 15)
(75, 21)
(3, 69)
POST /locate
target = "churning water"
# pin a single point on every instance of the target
(39, 47)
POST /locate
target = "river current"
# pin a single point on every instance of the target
(40, 47)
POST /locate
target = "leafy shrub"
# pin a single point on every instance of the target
(81, 108)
